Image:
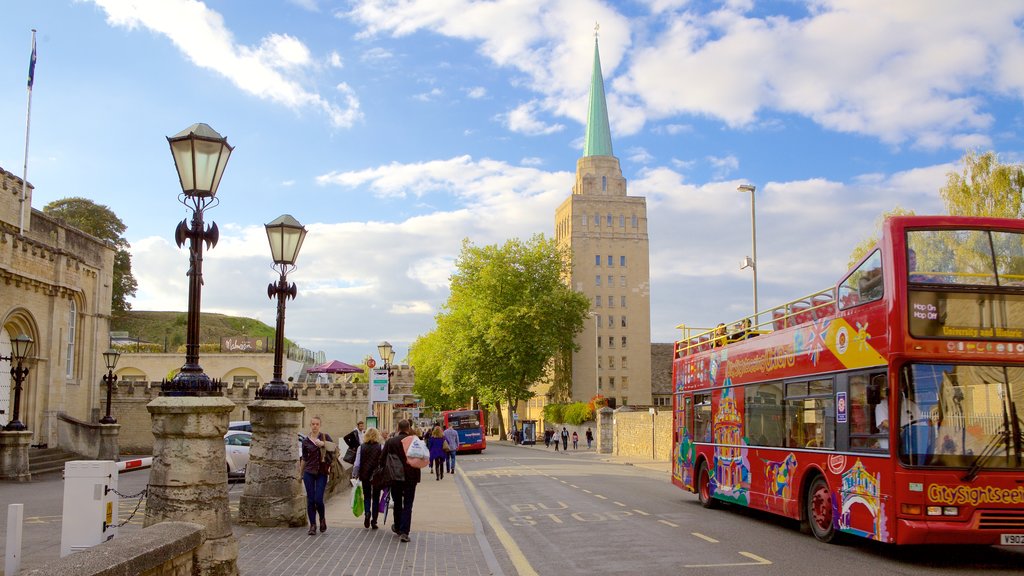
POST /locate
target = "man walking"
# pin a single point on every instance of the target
(565, 438)
(403, 492)
(590, 438)
(451, 439)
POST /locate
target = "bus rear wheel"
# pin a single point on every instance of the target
(704, 487)
(819, 510)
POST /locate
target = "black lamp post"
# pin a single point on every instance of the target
(21, 345)
(387, 356)
(285, 235)
(110, 358)
(200, 155)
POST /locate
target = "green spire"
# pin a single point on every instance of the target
(598, 141)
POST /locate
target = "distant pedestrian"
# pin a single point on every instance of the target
(554, 440)
(547, 438)
(590, 438)
(452, 438)
(565, 438)
(316, 467)
(437, 458)
(403, 492)
(575, 440)
(367, 460)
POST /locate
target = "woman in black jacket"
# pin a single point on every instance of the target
(367, 460)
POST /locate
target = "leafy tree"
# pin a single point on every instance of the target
(865, 245)
(985, 187)
(101, 222)
(577, 413)
(508, 314)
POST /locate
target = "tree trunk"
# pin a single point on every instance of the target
(501, 422)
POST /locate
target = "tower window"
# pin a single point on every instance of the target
(623, 318)
(634, 221)
(583, 220)
(597, 220)
(598, 320)
(597, 260)
(609, 259)
(624, 366)
(622, 261)
(609, 220)
(623, 341)
(611, 361)
(611, 382)
(611, 301)
(72, 332)
(622, 281)
(604, 183)
(622, 301)
(597, 280)
(597, 301)
(622, 221)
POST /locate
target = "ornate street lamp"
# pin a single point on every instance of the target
(21, 346)
(200, 155)
(110, 358)
(387, 355)
(285, 235)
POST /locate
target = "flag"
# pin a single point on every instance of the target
(32, 64)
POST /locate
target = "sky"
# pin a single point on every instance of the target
(394, 129)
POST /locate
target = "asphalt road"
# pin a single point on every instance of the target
(571, 513)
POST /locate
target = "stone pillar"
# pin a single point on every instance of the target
(14, 455)
(273, 494)
(605, 430)
(188, 481)
(108, 449)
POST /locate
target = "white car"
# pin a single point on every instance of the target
(236, 448)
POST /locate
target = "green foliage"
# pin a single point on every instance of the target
(554, 412)
(577, 413)
(985, 187)
(866, 245)
(100, 221)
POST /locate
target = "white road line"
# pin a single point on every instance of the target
(573, 486)
(640, 512)
(703, 537)
(601, 497)
(618, 503)
(757, 561)
(667, 523)
(587, 491)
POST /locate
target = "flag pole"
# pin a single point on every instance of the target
(28, 123)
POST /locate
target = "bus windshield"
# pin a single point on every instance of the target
(965, 257)
(955, 415)
(465, 420)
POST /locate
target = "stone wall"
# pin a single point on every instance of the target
(633, 436)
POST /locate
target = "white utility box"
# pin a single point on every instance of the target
(90, 504)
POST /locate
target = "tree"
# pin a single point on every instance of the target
(984, 187)
(507, 316)
(101, 222)
(865, 245)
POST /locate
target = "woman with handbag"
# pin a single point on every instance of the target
(367, 461)
(318, 452)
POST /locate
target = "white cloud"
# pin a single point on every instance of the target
(532, 161)
(432, 94)
(270, 71)
(376, 55)
(523, 119)
(476, 92)
(640, 155)
(723, 165)
(335, 60)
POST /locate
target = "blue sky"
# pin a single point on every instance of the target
(393, 129)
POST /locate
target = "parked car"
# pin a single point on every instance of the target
(240, 425)
(236, 449)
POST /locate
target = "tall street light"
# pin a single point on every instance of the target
(285, 235)
(751, 261)
(200, 155)
(110, 358)
(387, 356)
(21, 346)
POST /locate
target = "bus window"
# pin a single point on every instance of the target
(763, 418)
(864, 284)
(702, 417)
(868, 405)
(810, 420)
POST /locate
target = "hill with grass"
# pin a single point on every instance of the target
(165, 331)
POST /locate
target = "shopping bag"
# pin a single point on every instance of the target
(416, 452)
(357, 501)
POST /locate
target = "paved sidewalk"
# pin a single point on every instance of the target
(638, 461)
(446, 536)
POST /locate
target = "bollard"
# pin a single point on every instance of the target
(12, 559)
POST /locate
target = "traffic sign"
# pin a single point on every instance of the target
(370, 363)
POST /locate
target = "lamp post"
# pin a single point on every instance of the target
(387, 355)
(21, 346)
(200, 155)
(285, 235)
(751, 262)
(110, 358)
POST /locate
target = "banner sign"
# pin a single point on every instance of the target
(229, 344)
(378, 385)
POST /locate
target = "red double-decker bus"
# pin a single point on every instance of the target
(470, 426)
(888, 406)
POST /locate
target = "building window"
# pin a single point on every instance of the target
(622, 301)
(611, 361)
(599, 362)
(609, 220)
(625, 382)
(611, 341)
(611, 280)
(597, 301)
(622, 281)
(597, 280)
(623, 320)
(634, 221)
(599, 386)
(583, 220)
(597, 220)
(598, 320)
(598, 341)
(609, 260)
(604, 183)
(611, 301)
(611, 382)
(72, 332)
(622, 221)
(623, 341)
(597, 260)
(625, 364)
(622, 261)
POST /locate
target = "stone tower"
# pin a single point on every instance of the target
(606, 232)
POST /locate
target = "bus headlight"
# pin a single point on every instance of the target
(950, 511)
(933, 511)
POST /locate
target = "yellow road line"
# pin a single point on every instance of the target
(519, 561)
(703, 537)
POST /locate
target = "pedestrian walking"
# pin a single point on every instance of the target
(437, 458)
(554, 440)
(565, 438)
(575, 440)
(403, 492)
(367, 460)
(315, 465)
(451, 438)
(590, 438)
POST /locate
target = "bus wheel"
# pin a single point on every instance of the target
(819, 510)
(704, 488)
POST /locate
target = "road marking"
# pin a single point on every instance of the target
(640, 512)
(667, 523)
(573, 486)
(563, 481)
(703, 537)
(587, 491)
(601, 497)
(757, 561)
(519, 561)
(618, 503)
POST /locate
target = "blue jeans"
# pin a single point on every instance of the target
(450, 461)
(403, 494)
(316, 485)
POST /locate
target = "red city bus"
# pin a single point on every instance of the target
(470, 426)
(792, 415)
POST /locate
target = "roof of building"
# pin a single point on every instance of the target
(598, 140)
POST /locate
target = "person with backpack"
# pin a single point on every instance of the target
(403, 492)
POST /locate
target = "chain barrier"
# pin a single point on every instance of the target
(141, 495)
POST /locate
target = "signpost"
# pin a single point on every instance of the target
(379, 384)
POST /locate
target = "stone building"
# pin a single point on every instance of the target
(55, 286)
(606, 232)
